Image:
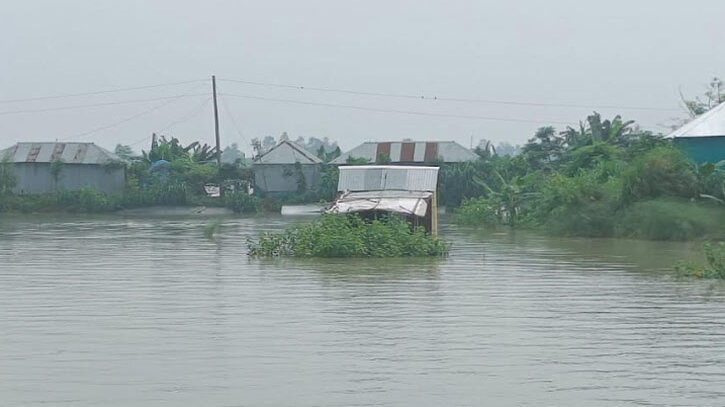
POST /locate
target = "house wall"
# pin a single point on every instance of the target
(282, 178)
(36, 178)
(703, 149)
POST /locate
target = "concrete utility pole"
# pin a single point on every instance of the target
(216, 126)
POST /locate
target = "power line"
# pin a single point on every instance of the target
(446, 99)
(52, 109)
(99, 92)
(397, 111)
(232, 118)
(186, 116)
(183, 118)
(147, 111)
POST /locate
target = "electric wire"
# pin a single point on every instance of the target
(142, 113)
(231, 117)
(397, 111)
(186, 116)
(73, 107)
(181, 119)
(446, 99)
(100, 92)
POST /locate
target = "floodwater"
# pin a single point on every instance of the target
(114, 311)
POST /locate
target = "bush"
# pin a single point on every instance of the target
(671, 220)
(155, 193)
(715, 267)
(588, 219)
(591, 156)
(242, 202)
(580, 205)
(86, 200)
(348, 236)
(479, 212)
(663, 171)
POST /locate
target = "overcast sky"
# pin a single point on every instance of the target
(593, 54)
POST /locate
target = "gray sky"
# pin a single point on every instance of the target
(613, 53)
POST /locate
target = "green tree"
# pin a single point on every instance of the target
(545, 150)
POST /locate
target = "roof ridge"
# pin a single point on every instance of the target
(697, 121)
(305, 153)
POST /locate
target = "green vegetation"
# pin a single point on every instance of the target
(715, 267)
(604, 179)
(211, 228)
(348, 236)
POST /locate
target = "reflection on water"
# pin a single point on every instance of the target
(114, 311)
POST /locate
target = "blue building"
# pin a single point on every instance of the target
(703, 139)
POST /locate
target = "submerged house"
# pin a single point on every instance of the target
(373, 189)
(50, 166)
(287, 167)
(408, 153)
(703, 139)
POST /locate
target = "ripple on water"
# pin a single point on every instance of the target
(113, 311)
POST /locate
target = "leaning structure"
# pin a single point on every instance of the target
(405, 190)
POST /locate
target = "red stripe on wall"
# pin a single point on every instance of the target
(383, 148)
(407, 152)
(431, 152)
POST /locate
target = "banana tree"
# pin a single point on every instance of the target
(510, 195)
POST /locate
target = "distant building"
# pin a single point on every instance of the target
(703, 139)
(408, 153)
(280, 169)
(47, 167)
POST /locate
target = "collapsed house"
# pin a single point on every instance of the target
(375, 189)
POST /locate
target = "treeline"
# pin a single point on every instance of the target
(606, 178)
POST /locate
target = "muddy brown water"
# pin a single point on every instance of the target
(112, 311)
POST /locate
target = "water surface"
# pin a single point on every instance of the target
(112, 311)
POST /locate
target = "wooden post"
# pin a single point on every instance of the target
(216, 123)
(216, 134)
(434, 214)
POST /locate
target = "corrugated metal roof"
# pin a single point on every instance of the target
(288, 152)
(711, 123)
(410, 152)
(387, 177)
(69, 153)
(406, 202)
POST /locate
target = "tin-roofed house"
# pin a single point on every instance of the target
(407, 153)
(703, 139)
(405, 190)
(285, 168)
(51, 166)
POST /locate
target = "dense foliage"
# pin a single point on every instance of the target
(349, 236)
(606, 178)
